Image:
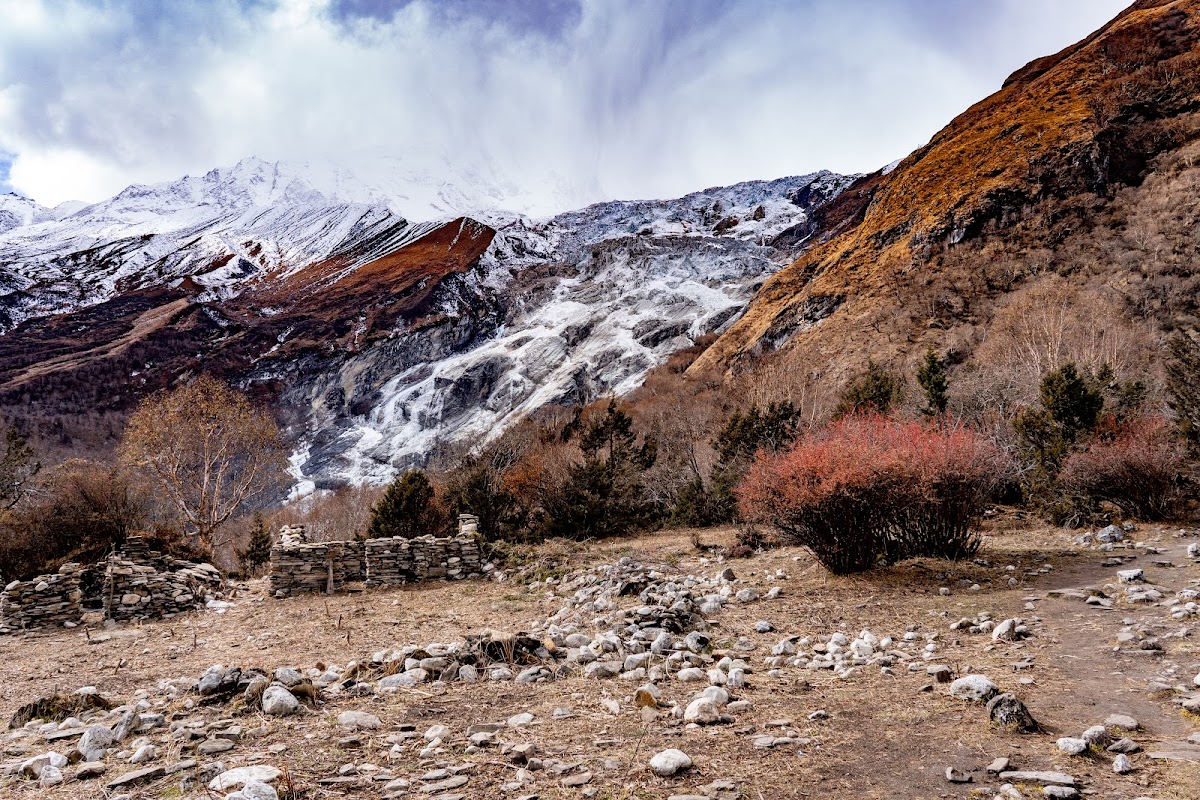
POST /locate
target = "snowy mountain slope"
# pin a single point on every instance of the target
(377, 338)
(592, 300)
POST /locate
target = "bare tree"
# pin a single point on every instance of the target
(210, 451)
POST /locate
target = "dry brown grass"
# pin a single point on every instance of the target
(884, 738)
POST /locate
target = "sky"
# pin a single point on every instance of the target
(562, 102)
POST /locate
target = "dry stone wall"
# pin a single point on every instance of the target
(298, 566)
(136, 583)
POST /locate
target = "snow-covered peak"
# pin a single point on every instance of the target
(17, 211)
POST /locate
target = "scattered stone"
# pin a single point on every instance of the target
(957, 776)
(1060, 792)
(973, 688)
(998, 766)
(277, 701)
(130, 779)
(668, 762)
(1124, 745)
(359, 720)
(1009, 712)
(1072, 746)
(1122, 764)
(229, 779)
(1122, 721)
(1034, 776)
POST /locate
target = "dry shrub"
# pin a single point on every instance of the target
(1048, 324)
(77, 511)
(869, 489)
(338, 515)
(1138, 469)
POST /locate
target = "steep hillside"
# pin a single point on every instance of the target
(379, 340)
(1061, 176)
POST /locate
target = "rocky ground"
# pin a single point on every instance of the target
(1052, 666)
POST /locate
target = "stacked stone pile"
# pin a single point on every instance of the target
(136, 583)
(140, 591)
(45, 600)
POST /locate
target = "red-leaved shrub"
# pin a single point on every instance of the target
(868, 489)
(1138, 468)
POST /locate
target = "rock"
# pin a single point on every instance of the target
(1131, 575)
(520, 720)
(957, 776)
(602, 669)
(1034, 776)
(406, 680)
(90, 769)
(1097, 735)
(254, 790)
(1009, 712)
(702, 711)
(1007, 631)
(762, 626)
(260, 773)
(1110, 534)
(1060, 792)
(137, 776)
(211, 680)
(1122, 764)
(997, 766)
(211, 747)
(973, 688)
(359, 720)
(146, 752)
(939, 672)
(94, 741)
(50, 776)
(1072, 746)
(279, 702)
(1122, 721)
(668, 762)
(1124, 745)
(578, 779)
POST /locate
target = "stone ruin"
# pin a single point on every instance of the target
(134, 583)
(299, 566)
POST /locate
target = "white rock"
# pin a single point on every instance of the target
(975, 688)
(702, 711)
(279, 702)
(359, 720)
(1122, 764)
(231, 778)
(1071, 745)
(669, 762)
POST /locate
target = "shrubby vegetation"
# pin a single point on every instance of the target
(868, 490)
(866, 474)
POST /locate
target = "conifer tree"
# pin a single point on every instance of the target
(933, 381)
(404, 508)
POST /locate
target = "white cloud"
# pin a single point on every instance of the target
(631, 100)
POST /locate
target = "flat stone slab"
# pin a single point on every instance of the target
(136, 777)
(69, 733)
(233, 778)
(1031, 776)
(1177, 752)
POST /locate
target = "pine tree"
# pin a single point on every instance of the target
(932, 378)
(404, 508)
(603, 495)
(258, 549)
(876, 390)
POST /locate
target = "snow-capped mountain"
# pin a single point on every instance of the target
(377, 337)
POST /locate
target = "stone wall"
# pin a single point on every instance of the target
(298, 566)
(136, 583)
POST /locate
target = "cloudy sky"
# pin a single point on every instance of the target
(562, 101)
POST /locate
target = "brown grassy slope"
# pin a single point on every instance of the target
(1029, 170)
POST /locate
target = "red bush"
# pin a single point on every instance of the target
(868, 489)
(1138, 468)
